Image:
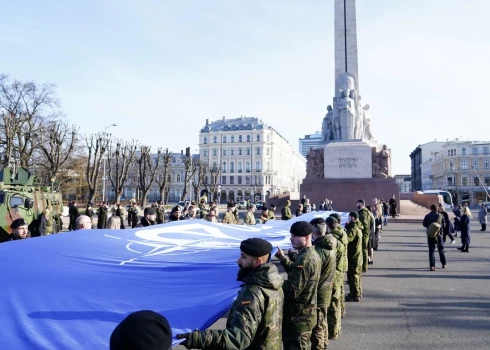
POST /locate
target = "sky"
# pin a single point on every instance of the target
(160, 68)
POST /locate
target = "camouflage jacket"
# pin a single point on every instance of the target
(354, 249)
(300, 290)
(286, 213)
(255, 319)
(272, 215)
(203, 210)
(325, 247)
(365, 219)
(229, 218)
(341, 256)
(249, 219)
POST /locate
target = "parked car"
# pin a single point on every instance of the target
(259, 204)
(241, 205)
(487, 205)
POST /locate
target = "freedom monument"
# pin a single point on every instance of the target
(349, 164)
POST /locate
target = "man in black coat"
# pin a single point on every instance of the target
(433, 216)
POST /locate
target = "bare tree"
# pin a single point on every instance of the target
(211, 186)
(24, 108)
(189, 172)
(163, 179)
(147, 171)
(198, 168)
(119, 158)
(57, 143)
(97, 145)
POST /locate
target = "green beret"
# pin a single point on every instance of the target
(256, 247)
(331, 220)
(354, 215)
(337, 217)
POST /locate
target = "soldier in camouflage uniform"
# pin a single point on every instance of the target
(250, 218)
(334, 316)
(230, 217)
(325, 246)
(255, 319)
(272, 215)
(365, 219)
(300, 289)
(286, 211)
(345, 241)
(354, 257)
(203, 210)
(160, 210)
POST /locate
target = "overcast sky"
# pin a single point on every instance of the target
(160, 68)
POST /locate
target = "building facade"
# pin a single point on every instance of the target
(420, 155)
(252, 157)
(404, 183)
(308, 141)
(463, 168)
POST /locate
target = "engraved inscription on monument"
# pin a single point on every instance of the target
(348, 160)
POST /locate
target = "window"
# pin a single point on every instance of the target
(487, 181)
(223, 180)
(454, 152)
(247, 167)
(464, 181)
(268, 151)
(224, 167)
(232, 138)
(224, 139)
(239, 151)
(224, 151)
(257, 151)
(215, 166)
(268, 138)
(248, 151)
(232, 180)
(239, 138)
(463, 151)
(474, 150)
(16, 201)
(485, 150)
(232, 151)
(247, 180)
(464, 165)
(268, 166)
(239, 167)
(178, 177)
(215, 139)
(450, 181)
(232, 167)
(205, 140)
(486, 164)
(206, 180)
(215, 152)
(476, 181)
(239, 180)
(452, 166)
(476, 164)
(248, 138)
(257, 166)
(258, 138)
(205, 153)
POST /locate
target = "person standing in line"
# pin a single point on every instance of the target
(230, 217)
(447, 228)
(300, 288)
(354, 257)
(433, 216)
(482, 217)
(325, 246)
(255, 318)
(250, 217)
(385, 212)
(286, 211)
(272, 215)
(365, 219)
(465, 230)
(393, 206)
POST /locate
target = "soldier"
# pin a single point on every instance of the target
(300, 289)
(132, 215)
(73, 213)
(191, 213)
(230, 217)
(264, 217)
(286, 211)
(160, 210)
(345, 241)
(176, 214)
(203, 210)
(19, 230)
(271, 214)
(334, 315)
(354, 257)
(325, 246)
(365, 219)
(250, 217)
(148, 219)
(120, 214)
(102, 216)
(255, 318)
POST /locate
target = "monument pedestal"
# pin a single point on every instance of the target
(345, 192)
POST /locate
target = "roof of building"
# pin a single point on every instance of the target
(242, 123)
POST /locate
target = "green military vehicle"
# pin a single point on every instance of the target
(22, 197)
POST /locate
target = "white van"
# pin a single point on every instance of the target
(446, 197)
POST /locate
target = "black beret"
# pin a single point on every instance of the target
(354, 215)
(301, 228)
(256, 247)
(231, 204)
(18, 222)
(150, 211)
(331, 220)
(273, 206)
(176, 209)
(317, 221)
(336, 216)
(142, 330)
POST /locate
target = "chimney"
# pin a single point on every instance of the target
(181, 151)
(207, 122)
(224, 118)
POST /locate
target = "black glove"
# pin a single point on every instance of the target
(188, 340)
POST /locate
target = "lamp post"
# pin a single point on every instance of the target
(104, 176)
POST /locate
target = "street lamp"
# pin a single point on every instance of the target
(104, 176)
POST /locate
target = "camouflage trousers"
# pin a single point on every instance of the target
(319, 335)
(342, 296)
(365, 241)
(296, 341)
(334, 314)
(354, 277)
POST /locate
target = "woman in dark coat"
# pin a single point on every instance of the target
(465, 230)
(447, 225)
(393, 207)
(457, 219)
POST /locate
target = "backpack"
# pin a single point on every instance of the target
(434, 228)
